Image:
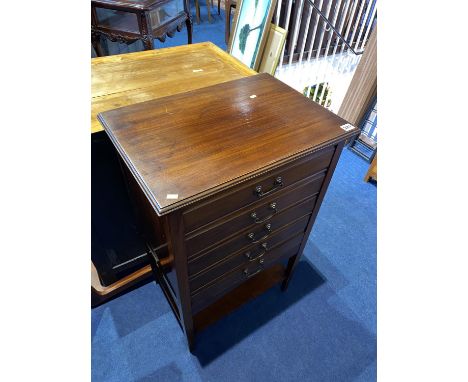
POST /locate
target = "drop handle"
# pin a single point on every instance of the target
(278, 183)
(257, 220)
(249, 275)
(251, 235)
(251, 258)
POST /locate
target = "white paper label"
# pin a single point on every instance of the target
(347, 127)
(172, 196)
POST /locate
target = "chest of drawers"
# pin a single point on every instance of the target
(228, 181)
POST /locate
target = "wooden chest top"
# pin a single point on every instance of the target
(125, 79)
(186, 147)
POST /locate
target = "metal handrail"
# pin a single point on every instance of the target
(332, 27)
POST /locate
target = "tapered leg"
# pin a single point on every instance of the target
(227, 11)
(208, 8)
(289, 272)
(197, 11)
(190, 341)
(189, 25)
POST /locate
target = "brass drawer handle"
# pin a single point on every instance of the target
(276, 184)
(252, 258)
(257, 220)
(251, 235)
(249, 275)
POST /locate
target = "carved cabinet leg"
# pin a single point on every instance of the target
(148, 43)
(96, 41)
(146, 31)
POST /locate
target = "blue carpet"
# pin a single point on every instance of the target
(204, 31)
(323, 328)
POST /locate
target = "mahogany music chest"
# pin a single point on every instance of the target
(227, 181)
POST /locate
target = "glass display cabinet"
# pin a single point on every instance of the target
(131, 20)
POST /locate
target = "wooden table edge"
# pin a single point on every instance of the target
(148, 53)
(161, 211)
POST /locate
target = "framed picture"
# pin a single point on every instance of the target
(273, 48)
(250, 30)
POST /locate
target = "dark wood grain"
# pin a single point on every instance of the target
(234, 299)
(125, 79)
(199, 158)
(254, 252)
(209, 295)
(210, 209)
(121, 80)
(175, 234)
(241, 240)
(243, 219)
(295, 260)
(198, 143)
(205, 264)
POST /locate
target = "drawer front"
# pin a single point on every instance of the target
(251, 236)
(249, 255)
(210, 294)
(259, 213)
(256, 189)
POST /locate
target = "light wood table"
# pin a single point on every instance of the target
(372, 171)
(127, 79)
